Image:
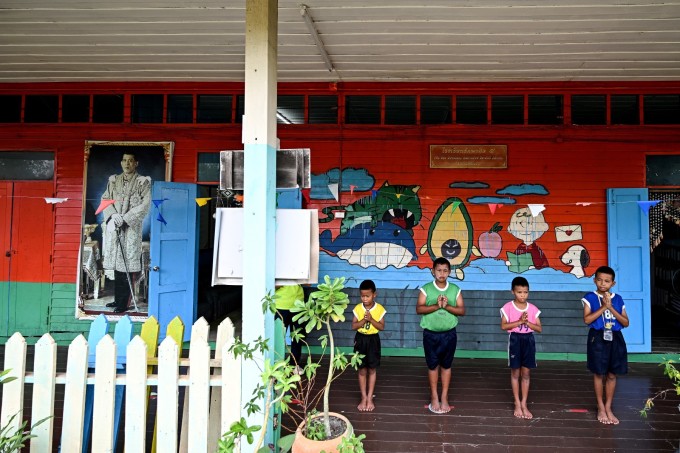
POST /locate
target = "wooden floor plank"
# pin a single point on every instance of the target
(561, 400)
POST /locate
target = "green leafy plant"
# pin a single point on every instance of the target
(278, 380)
(674, 375)
(315, 428)
(291, 386)
(324, 306)
(13, 440)
(352, 444)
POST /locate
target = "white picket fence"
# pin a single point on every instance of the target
(205, 416)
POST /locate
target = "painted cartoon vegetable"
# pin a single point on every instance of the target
(450, 236)
(490, 242)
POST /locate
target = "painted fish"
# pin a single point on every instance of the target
(382, 245)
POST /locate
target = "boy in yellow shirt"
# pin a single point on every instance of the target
(285, 300)
(369, 319)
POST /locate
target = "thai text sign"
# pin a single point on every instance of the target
(468, 156)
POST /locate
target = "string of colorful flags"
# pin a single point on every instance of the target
(535, 208)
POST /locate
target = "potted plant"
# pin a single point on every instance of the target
(324, 306)
(296, 393)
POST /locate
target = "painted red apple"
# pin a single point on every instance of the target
(490, 243)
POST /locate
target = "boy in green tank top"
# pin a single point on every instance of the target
(440, 303)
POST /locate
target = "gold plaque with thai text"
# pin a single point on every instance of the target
(468, 156)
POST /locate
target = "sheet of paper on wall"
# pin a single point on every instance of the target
(297, 246)
(567, 233)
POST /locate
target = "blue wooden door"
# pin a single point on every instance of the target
(174, 255)
(628, 236)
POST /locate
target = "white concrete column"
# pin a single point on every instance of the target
(259, 140)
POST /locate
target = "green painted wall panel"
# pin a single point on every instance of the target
(4, 308)
(29, 304)
(63, 313)
(24, 308)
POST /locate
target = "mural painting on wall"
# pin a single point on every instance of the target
(375, 229)
(113, 270)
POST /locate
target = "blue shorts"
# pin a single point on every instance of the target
(521, 350)
(439, 348)
(607, 356)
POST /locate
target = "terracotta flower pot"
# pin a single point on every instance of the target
(304, 445)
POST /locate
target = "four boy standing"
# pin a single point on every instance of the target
(440, 303)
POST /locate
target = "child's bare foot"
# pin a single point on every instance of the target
(435, 407)
(527, 414)
(519, 413)
(362, 405)
(612, 419)
(445, 408)
(602, 417)
(369, 405)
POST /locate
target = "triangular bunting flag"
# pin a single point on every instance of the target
(157, 203)
(536, 209)
(161, 219)
(493, 207)
(645, 205)
(103, 205)
(333, 187)
(374, 193)
(49, 200)
(351, 189)
(454, 206)
(202, 201)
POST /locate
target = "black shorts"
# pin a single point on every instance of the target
(369, 346)
(439, 348)
(521, 350)
(607, 356)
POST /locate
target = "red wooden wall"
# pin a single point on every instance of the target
(573, 163)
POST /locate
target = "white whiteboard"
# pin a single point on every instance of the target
(297, 246)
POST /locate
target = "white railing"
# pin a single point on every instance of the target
(205, 415)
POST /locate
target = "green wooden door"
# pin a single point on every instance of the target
(27, 224)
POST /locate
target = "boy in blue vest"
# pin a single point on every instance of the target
(440, 303)
(605, 313)
(368, 321)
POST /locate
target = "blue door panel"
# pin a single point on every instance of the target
(628, 246)
(288, 198)
(170, 304)
(628, 277)
(174, 255)
(636, 315)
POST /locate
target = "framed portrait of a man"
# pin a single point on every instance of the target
(113, 270)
